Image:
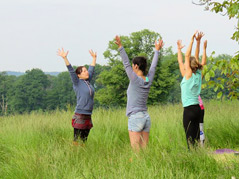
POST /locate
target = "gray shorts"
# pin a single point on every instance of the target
(139, 122)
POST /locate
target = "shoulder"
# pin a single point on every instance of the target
(91, 67)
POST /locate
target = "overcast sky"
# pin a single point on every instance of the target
(33, 30)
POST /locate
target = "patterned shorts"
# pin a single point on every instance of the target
(81, 121)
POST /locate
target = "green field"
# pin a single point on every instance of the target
(39, 145)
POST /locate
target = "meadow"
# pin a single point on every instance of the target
(39, 145)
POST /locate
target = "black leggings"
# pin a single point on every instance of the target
(191, 119)
(83, 133)
(201, 116)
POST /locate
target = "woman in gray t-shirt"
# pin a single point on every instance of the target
(137, 94)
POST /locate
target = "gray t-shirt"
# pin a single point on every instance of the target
(138, 89)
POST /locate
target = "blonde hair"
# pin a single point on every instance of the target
(194, 65)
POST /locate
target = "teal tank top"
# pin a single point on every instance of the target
(191, 88)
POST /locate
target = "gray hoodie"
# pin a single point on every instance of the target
(84, 91)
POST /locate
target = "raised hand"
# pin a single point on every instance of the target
(62, 53)
(93, 54)
(194, 36)
(205, 44)
(158, 44)
(199, 36)
(179, 43)
(117, 41)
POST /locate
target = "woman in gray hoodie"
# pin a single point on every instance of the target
(81, 77)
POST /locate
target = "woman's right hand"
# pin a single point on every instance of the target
(179, 43)
(117, 41)
(199, 36)
(62, 53)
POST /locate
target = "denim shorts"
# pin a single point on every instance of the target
(139, 122)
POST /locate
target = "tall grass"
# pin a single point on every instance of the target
(39, 145)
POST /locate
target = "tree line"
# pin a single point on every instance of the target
(36, 90)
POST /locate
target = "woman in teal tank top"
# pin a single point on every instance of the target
(190, 89)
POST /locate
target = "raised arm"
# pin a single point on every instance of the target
(158, 45)
(198, 39)
(180, 57)
(73, 75)
(188, 70)
(130, 73)
(94, 56)
(92, 66)
(204, 56)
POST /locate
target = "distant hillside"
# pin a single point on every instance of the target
(15, 73)
(22, 73)
(52, 73)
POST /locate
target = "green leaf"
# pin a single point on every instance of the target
(219, 95)
(204, 86)
(212, 73)
(205, 68)
(221, 86)
(211, 83)
(207, 77)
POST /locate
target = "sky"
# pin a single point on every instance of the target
(33, 30)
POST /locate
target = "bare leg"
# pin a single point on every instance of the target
(135, 138)
(144, 139)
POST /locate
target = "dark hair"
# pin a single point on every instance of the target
(79, 70)
(194, 65)
(141, 62)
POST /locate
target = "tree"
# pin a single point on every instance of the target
(115, 80)
(30, 91)
(165, 77)
(228, 68)
(223, 76)
(6, 86)
(61, 93)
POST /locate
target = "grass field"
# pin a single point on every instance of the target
(39, 145)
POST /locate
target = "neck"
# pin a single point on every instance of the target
(139, 73)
